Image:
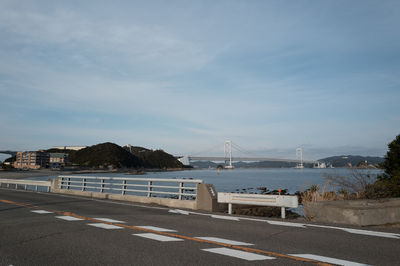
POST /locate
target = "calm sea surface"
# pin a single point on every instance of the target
(238, 179)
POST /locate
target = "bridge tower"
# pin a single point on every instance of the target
(228, 154)
(299, 158)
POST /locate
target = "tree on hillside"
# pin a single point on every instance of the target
(388, 184)
(392, 160)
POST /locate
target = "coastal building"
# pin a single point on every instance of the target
(58, 160)
(32, 160)
(74, 148)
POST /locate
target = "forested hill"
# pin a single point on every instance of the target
(105, 155)
(155, 158)
(109, 154)
(353, 160)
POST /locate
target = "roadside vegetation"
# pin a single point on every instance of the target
(361, 185)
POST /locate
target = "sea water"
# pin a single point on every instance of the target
(244, 179)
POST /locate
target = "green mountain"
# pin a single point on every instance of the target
(154, 158)
(105, 155)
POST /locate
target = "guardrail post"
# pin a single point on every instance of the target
(83, 184)
(230, 208)
(26, 186)
(149, 188)
(68, 183)
(123, 187)
(283, 212)
(48, 189)
(102, 186)
(36, 187)
(180, 190)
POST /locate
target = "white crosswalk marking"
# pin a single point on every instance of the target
(179, 212)
(158, 237)
(41, 211)
(159, 229)
(286, 224)
(69, 218)
(328, 260)
(106, 226)
(223, 217)
(110, 220)
(238, 254)
(225, 241)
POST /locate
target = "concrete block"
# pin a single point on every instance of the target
(355, 212)
(206, 198)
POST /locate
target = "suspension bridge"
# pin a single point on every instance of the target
(228, 157)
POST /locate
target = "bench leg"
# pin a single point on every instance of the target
(283, 213)
(230, 208)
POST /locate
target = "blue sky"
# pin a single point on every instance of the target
(184, 76)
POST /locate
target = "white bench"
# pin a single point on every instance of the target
(259, 200)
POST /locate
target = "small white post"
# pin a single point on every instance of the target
(283, 213)
(123, 187)
(230, 208)
(180, 190)
(149, 188)
(102, 186)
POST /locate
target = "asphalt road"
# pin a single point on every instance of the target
(36, 229)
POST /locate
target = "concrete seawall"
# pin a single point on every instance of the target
(355, 212)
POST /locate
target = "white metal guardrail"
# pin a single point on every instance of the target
(26, 184)
(180, 188)
(259, 200)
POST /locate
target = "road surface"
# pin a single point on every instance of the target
(51, 229)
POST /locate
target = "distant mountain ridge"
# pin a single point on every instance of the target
(351, 160)
(335, 161)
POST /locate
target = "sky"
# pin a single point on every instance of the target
(184, 76)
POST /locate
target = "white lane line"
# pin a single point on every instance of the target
(159, 229)
(371, 233)
(238, 254)
(41, 211)
(158, 237)
(179, 212)
(69, 218)
(360, 232)
(106, 226)
(328, 260)
(110, 220)
(226, 241)
(286, 224)
(225, 217)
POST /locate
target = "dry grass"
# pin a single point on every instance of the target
(351, 187)
(315, 193)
